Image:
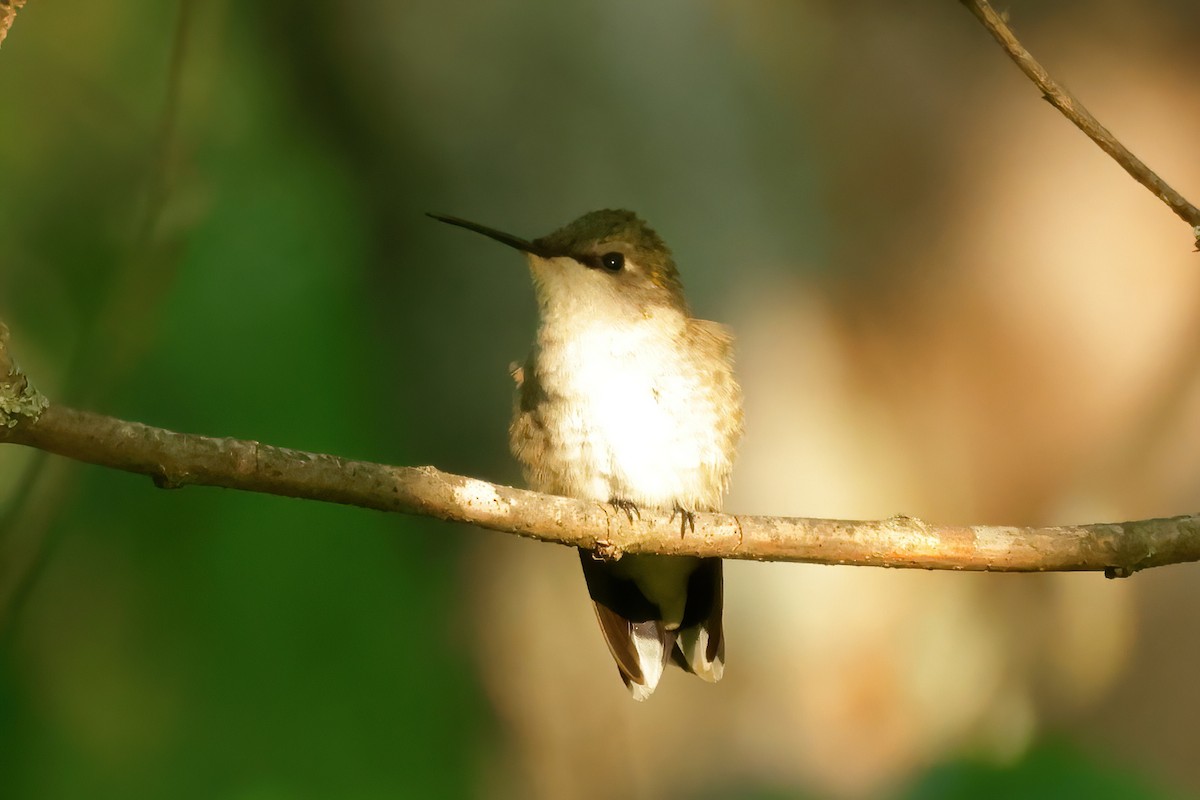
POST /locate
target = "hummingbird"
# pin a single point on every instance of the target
(628, 400)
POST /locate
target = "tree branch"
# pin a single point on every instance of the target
(1074, 110)
(177, 459)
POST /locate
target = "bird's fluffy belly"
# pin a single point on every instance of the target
(621, 417)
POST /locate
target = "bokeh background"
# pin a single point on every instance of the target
(949, 304)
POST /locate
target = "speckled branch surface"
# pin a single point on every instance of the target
(178, 459)
(1074, 110)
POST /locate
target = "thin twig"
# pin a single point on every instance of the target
(1074, 110)
(118, 329)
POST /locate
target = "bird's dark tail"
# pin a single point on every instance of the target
(641, 642)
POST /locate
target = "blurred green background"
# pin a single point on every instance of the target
(211, 219)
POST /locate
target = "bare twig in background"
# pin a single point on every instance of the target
(124, 321)
(112, 339)
(177, 459)
(1073, 110)
(8, 12)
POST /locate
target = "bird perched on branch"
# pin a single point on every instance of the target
(627, 399)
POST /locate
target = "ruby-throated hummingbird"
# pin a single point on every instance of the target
(626, 399)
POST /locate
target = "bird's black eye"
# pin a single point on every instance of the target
(613, 262)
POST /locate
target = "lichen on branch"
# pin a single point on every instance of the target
(19, 400)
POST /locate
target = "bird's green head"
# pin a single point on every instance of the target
(610, 253)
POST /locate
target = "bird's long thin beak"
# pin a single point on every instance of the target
(516, 242)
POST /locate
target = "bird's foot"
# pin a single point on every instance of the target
(687, 519)
(628, 507)
(517, 372)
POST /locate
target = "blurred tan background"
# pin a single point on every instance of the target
(949, 304)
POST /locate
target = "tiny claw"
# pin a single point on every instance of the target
(687, 519)
(629, 507)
